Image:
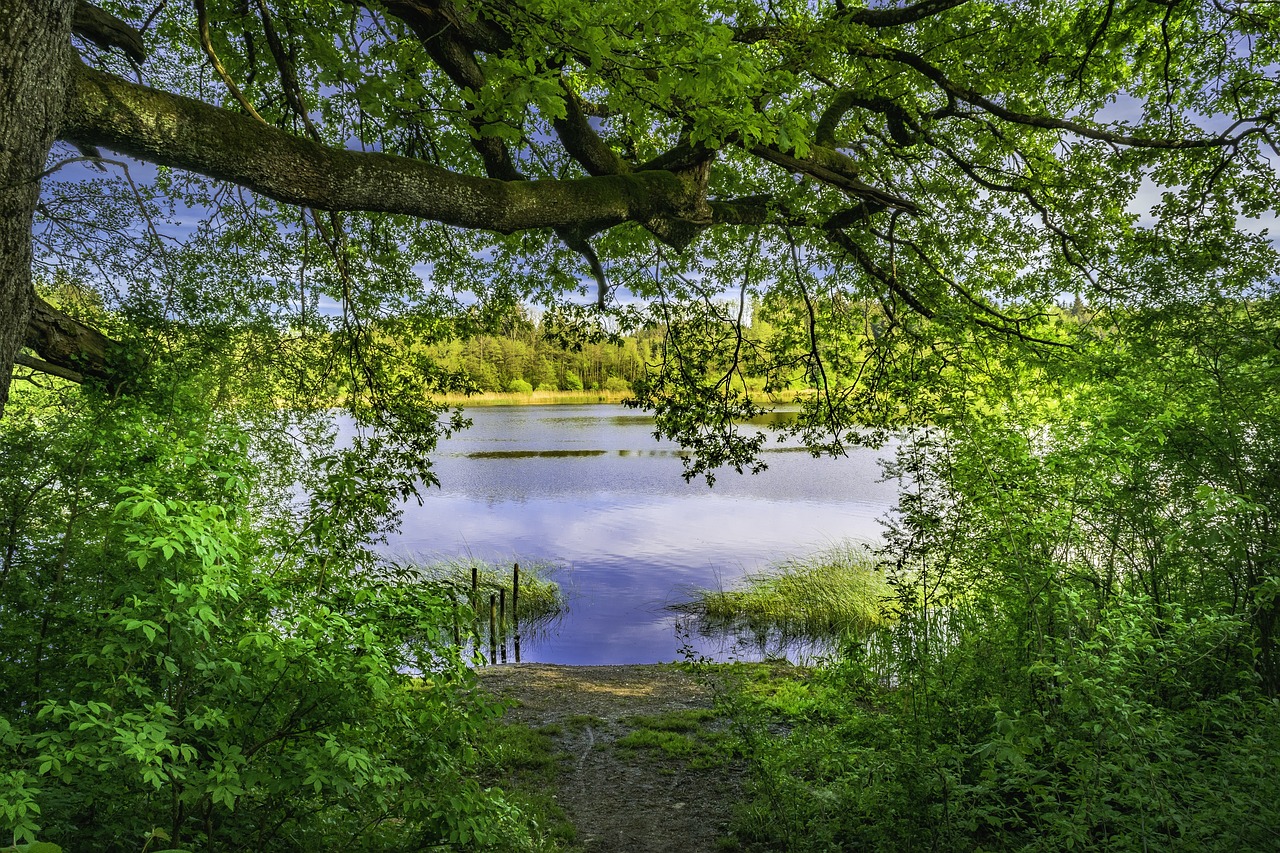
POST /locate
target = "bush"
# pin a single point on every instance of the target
(1086, 654)
(572, 381)
(1130, 735)
(617, 383)
(214, 663)
(519, 386)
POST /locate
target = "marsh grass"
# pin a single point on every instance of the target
(832, 594)
(541, 599)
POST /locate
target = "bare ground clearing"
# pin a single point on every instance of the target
(619, 799)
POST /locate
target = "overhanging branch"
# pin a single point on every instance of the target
(40, 366)
(107, 31)
(188, 134)
(68, 347)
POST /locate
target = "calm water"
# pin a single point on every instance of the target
(589, 489)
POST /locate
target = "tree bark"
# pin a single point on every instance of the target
(35, 56)
(64, 342)
(171, 130)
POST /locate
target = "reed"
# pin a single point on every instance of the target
(834, 593)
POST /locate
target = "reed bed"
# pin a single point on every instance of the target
(834, 593)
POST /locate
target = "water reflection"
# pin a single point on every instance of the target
(592, 490)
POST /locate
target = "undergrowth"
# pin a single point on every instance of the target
(1125, 734)
(525, 762)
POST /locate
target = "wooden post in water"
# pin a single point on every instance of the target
(493, 628)
(515, 607)
(502, 621)
(515, 597)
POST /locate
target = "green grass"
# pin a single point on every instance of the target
(781, 693)
(834, 593)
(679, 735)
(526, 762)
(674, 721)
(540, 597)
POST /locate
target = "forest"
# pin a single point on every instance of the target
(1026, 243)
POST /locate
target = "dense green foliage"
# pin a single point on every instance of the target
(201, 652)
(529, 357)
(1086, 640)
(1084, 649)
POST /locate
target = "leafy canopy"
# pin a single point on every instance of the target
(912, 179)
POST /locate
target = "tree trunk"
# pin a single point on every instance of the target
(35, 55)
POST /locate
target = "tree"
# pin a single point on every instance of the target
(959, 163)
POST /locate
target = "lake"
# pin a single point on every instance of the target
(589, 489)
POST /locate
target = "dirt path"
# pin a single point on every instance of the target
(621, 799)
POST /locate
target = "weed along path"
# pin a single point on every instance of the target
(636, 762)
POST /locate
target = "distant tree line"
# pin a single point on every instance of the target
(524, 358)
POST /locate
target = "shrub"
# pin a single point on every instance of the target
(213, 662)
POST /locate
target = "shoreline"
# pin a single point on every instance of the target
(560, 398)
(532, 398)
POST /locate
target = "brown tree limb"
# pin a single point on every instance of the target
(1228, 137)
(107, 31)
(184, 133)
(66, 345)
(452, 18)
(833, 168)
(898, 17)
(582, 142)
(439, 35)
(41, 366)
(871, 268)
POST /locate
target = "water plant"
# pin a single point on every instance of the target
(836, 592)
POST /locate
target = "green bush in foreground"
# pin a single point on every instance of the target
(1086, 654)
(193, 661)
(1135, 738)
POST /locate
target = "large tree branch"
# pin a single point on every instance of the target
(582, 142)
(442, 36)
(452, 18)
(450, 36)
(898, 17)
(188, 134)
(833, 168)
(73, 349)
(881, 18)
(107, 31)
